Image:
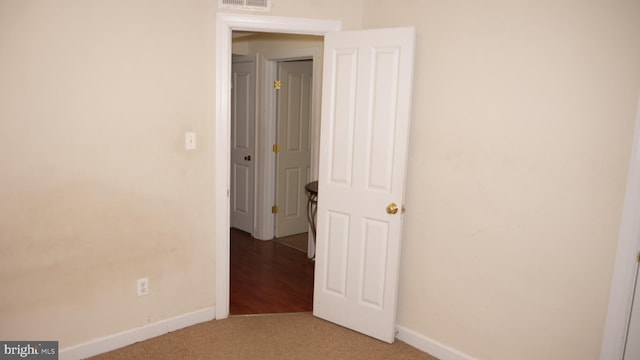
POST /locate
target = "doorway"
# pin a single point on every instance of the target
(270, 50)
(271, 276)
(225, 24)
(293, 60)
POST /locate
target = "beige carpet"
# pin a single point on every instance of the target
(298, 241)
(283, 336)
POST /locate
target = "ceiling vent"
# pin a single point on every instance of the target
(252, 5)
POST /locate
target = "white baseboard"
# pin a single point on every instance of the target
(430, 346)
(116, 341)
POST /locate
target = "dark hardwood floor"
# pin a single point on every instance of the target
(268, 277)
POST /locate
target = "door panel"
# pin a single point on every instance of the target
(376, 242)
(366, 101)
(381, 132)
(242, 145)
(336, 248)
(294, 159)
(341, 127)
(293, 178)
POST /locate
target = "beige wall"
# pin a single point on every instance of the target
(268, 42)
(97, 189)
(521, 136)
(523, 117)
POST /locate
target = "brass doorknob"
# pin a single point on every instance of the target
(392, 209)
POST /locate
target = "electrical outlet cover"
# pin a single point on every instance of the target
(143, 286)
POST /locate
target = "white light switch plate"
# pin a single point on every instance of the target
(190, 140)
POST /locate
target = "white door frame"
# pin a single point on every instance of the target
(626, 265)
(225, 24)
(266, 130)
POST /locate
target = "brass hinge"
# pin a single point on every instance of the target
(276, 148)
(277, 84)
(274, 209)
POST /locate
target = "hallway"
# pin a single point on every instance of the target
(268, 277)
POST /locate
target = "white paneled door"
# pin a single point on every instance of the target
(294, 156)
(242, 145)
(366, 103)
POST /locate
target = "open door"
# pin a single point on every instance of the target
(243, 144)
(294, 155)
(366, 103)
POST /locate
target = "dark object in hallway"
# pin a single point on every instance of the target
(268, 277)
